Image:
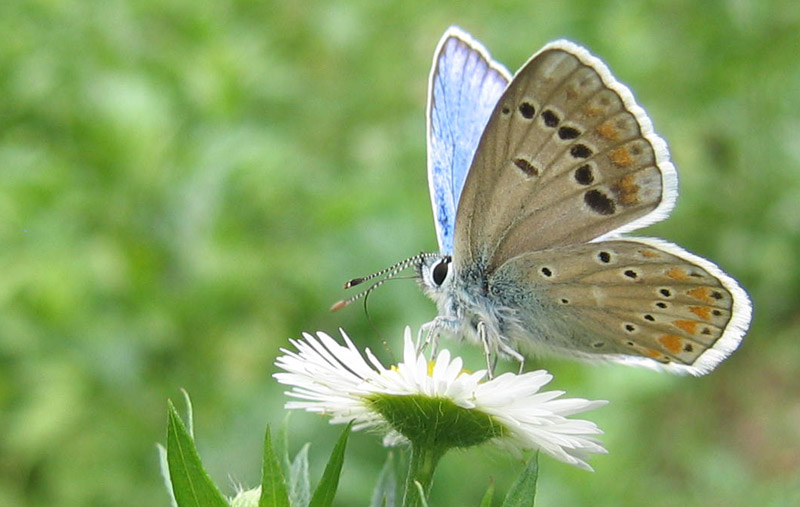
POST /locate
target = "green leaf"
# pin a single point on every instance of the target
(487, 498)
(299, 484)
(273, 484)
(190, 483)
(282, 442)
(164, 466)
(323, 495)
(189, 413)
(385, 492)
(523, 492)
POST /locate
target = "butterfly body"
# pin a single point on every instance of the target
(510, 314)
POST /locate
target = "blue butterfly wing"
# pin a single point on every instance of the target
(465, 85)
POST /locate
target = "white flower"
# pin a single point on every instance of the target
(337, 381)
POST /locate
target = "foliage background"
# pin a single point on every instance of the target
(186, 184)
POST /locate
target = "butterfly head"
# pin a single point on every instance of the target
(434, 273)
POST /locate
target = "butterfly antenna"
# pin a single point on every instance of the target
(393, 270)
(387, 273)
(386, 346)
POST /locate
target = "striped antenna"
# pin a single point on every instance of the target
(389, 273)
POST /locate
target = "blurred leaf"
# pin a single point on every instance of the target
(385, 492)
(487, 498)
(523, 491)
(299, 484)
(323, 495)
(190, 483)
(421, 494)
(189, 413)
(164, 466)
(273, 484)
(282, 441)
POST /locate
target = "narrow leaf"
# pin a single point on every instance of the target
(385, 492)
(323, 495)
(523, 492)
(191, 484)
(189, 412)
(423, 502)
(273, 484)
(487, 498)
(282, 442)
(164, 466)
(299, 484)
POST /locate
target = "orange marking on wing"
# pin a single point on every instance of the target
(704, 312)
(620, 157)
(701, 293)
(677, 274)
(608, 131)
(671, 342)
(650, 254)
(571, 93)
(652, 353)
(590, 110)
(626, 190)
(689, 326)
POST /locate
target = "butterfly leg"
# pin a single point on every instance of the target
(508, 350)
(424, 330)
(430, 331)
(483, 336)
(513, 353)
(433, 342)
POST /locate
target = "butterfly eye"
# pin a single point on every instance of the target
(440, 271)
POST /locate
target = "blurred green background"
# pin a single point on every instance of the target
(186, 184)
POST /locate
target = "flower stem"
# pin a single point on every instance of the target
(420, 469)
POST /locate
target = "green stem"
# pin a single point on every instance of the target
(420, 469)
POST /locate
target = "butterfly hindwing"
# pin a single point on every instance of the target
(465, 84)
(567, 157)
(642, 301)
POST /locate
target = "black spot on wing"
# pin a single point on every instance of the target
(527, 110)
(568, 133)
(599, 202)
(580, 151)
(526, 167)
(550, 118)
(583, 175)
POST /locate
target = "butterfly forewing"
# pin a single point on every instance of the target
(465, 85)
(567, 157)
(644, 301)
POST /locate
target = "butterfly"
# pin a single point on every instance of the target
(534, 179)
